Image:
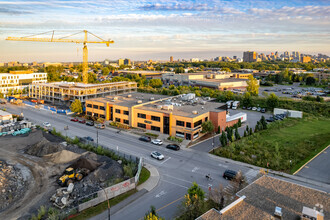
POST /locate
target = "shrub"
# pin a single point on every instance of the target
(175, 139)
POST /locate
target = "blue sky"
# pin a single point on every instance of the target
(157, 29)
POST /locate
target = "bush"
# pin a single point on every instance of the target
(152, 135)
(175, 139)
(119, 125)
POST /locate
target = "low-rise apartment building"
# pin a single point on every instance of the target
(180, 116)
(67, 92)
(18, 80)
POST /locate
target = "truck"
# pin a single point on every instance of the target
(235, 105)
(229, 103)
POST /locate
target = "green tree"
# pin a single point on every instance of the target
(229, 95)
(54, 73)
(253, 86)
(226, 69)
(250, 131)
(156, 83)
(239, 123)
(207, 127)
(310, 80)
(237, 136)
(245, 135)
(76, 106)
(219, 129)
(247, 101)
(152, 215)
(272, 101)
(105, 71)
(263, 122)
(223, 139)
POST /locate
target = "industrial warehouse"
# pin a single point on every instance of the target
(179, 116)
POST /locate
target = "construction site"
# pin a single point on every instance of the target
(40, 169)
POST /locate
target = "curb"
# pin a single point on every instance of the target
(310, 160)
(153, 180)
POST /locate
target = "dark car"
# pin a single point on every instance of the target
(82, 121)
(229, 174)
(90, 123)
(244, 107)
(145, 138)
(263, 110)
(74, 119)
(249, 108)
(88, 138)
(270, 119)
(173, 147)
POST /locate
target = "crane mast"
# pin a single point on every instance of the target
(64, 40)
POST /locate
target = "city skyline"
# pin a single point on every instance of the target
(159, 29)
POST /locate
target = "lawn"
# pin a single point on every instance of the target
(295, 140)
(144, 175)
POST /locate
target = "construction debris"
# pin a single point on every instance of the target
(63, 156)
(43, 147)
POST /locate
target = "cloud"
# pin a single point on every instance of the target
(13, 12)
(177, 7)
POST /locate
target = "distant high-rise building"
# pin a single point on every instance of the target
(127, 62)
(120, 62)
(250, 56)
(286, 54)
(235, 57)
(306, 59)
(171, 59)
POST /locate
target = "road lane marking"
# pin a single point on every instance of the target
(165, 160)
(221, 165)
(170, 203)
(195, 169)
(175, 184)
(160, 194)
(190, 182)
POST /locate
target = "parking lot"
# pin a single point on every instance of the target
(292, 91)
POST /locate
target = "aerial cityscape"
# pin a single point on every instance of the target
(183, 110)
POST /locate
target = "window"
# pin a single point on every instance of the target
(142, 115)
(154, 128)
(179, 134)
(89, 113)
(118, 111)
(197, 123)
(180, 123)
(196, 135)
(126, 121)
(96, 115)
(117, 119)
(89, 105)
(188, 124)
(126, 112)
(155, 118)
(102, 116)
(95, 106)
(206, 118)
(102, 107)
(140, 125)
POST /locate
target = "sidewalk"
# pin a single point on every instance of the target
(145, 187)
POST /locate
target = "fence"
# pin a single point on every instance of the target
(114, 190)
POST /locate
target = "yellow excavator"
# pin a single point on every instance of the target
(70, 175)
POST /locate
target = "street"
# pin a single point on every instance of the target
(177, 171)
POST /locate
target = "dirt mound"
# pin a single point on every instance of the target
(63, 156)
(110, 170)
(85, 163)
(43, 147)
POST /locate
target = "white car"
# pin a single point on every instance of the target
(46, 124)
(157, 155)
(254, 109)
(157, 142)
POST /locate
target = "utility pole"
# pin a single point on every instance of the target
(213, 140)
(97, 137)
(106, 196)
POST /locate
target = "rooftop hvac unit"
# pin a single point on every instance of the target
(278, 212)
(167, 107)
(152, 98)
(129, 96)
(159, 107)
(195, 112)
(115, 98)
(139, 101)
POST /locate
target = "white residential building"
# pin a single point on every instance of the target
(16, 80)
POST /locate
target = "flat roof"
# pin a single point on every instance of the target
(74, 85)
(129, 99)
(3, 113)
(221, 80)
(185, 108)
(266, 193)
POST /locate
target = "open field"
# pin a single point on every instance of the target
(285, 145)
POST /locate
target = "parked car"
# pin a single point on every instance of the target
(263, 110)
(145, 138)
(249, 108)
(243, 107)
(270, 119)
(74, 119)
(229, 174)
(100, 126)
(82, 121)
(173, 147)
(157, 155)
(254, 109)
(157, 142)
(88, 138)
(90, 123)
(258, 109)
(46, 124)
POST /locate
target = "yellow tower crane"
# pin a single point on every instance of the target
(64, 40)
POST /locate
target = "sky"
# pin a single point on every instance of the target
(158, 29)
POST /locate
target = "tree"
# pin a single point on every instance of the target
(230, 134)
(272, 101)
(253, 86)
(152, 215)
(217, 195)
(105, 71)
(239, 123)
(229, 95)
(76, 106)
(226, 69)
(245, 134)
(250, 132)
(263, 122)
(310, 80)
(223, 139)
(237, 136)
(156, 83)
(247, 99)
(219, 129)
(54, 73)
(207, 127)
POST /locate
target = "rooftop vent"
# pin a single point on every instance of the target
(115, 98)
(167, 107)
(152, 98)
(129, 96)
(195, 112)
(139, 101)
(278, 212)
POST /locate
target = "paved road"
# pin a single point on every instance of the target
(178, 170)
(252, 118)
(318, 168)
